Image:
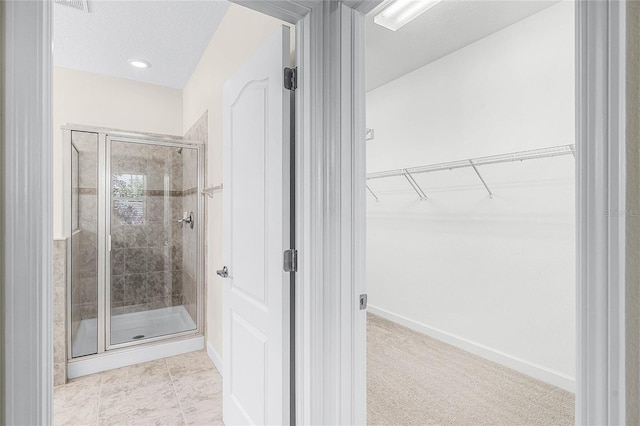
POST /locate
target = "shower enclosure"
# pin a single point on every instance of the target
(135, 213)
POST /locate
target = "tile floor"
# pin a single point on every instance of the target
(181, 390)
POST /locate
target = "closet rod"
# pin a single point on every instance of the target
(532, 154)
(553, 151)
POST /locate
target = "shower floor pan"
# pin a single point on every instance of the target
(137, 326)
(154, 323)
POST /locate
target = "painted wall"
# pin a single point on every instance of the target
(633, 219)
(97, 100)
(495, 276)
(247, 30)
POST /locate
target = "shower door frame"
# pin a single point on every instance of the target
(105, 137)
(199, 225)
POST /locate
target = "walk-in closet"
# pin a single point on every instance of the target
(471, 214)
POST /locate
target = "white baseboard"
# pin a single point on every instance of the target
(215, 358)
(546, 375)
(135, 355)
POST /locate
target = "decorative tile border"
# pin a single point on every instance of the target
(148, 192)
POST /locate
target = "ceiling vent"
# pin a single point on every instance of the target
(81, 5)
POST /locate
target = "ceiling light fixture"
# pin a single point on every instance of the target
(139, 63)
(401, 12)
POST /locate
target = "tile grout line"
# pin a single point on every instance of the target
(175, 392)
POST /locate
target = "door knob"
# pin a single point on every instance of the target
(224, 272)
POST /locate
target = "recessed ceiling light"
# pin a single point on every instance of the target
(139, 63)
(400, 12)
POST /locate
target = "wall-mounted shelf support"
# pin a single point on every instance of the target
(210, 190)
(372, 193)
(475, 169)
(415, 185)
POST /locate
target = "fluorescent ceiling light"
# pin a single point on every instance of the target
(401, 12)
(139, 63)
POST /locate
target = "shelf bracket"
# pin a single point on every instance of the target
(481, 179)
(414, 185)
(371, 192)
(210, 190)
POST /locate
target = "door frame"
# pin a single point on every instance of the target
(330, 207)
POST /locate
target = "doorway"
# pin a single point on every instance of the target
(471, 214)
(144, 211)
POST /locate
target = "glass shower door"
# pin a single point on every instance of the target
(153, 227)
(83, 294)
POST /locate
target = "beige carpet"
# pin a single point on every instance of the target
(414, 379)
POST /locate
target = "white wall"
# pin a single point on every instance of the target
(240, 33)
(96, 100)
(495, 276)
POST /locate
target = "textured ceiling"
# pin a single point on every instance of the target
(448, 26)
(171, 35)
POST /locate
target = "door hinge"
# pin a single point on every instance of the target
(291, 78)
(363, 301)
(291, 260)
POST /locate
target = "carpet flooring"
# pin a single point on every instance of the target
(414, 379)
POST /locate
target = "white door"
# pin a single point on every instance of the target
(256, 138)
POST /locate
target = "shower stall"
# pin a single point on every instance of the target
(136, 219)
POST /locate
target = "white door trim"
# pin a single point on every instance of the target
(330, 365)
(600, 211)
(27, 248)
(329, 162)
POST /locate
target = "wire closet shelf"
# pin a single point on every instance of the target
(554, 151)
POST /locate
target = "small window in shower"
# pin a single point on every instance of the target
(129, 198)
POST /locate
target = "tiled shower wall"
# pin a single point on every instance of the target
(198, 132)
(59, 312)
(147, 246)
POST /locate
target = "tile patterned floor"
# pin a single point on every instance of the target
(181, 390)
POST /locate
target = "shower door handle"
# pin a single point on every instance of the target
(188, 220)
(224, 272)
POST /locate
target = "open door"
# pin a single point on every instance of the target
(256, 176)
